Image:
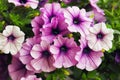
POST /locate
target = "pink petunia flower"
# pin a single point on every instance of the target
(100, 37)
(17, 70)
(43, 59)
(37, 24)
(12, 39)
(30, 77)
(77, 20)
(57, 27)
(98, 13)
(50, 11)
(25, 56)
(64, 51)
(32, 3)
(87, 58)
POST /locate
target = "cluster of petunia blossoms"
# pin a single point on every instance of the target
(53, 45)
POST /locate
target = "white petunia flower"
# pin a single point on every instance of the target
(100, 37)
(11, 39)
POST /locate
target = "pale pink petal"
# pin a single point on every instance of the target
(71, 11)
(13, 49)
(44, 44)
(15, 2)
(35, 54)
(32, 3)
(66, 62)
(16, 32)
(82, 61)
(96, 28)
(8, 30)
(107, 44)
(36, 64)
(98, 46)
(76, 11)
(25, 59)
(94, 60)
(59, 61)
(35, 51)
(72, 28)
(109, 36)
(56, 8)
(54, 49)
(3, 41)
(47, 8)
(6, 48)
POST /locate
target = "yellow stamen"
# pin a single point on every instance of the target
(70, 35)
(103, 50)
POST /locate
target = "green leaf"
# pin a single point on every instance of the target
(84, 77)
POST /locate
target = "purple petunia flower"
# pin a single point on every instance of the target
(25, 56)
(69, 1)
(3, 66)
(31, 77)
(100, 37)
(87, 58)
(64, 51)
(43, 59)
(117, 56)
(37, 24)
(98, 13)
(11, 39)
(32, 3)
(66, 1)
(17, 70)
(42, 3)
(77, 20)
(57, 27)
(50, 11)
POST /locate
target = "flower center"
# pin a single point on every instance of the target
(11, 37)
(55, 31)
(100, 36)
(63, 48)
(50, 18)
(76, 21)
(46, 53)
(86, 50)
(23, 1)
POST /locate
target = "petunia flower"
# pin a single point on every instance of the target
(37, 24)
(32, 3)
(98, 13)
(57, 27)
(100, 37)
(66, 1)
(77, 20)
(12, 39)
(43, 59)
(117, 56)
(4, 61)
(87, 58)
(17, 70)
(30, 77)
(69, 1)
(64, 51)
(25, 56)
(50, 11)
(42, 3)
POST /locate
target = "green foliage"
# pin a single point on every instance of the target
(112, 13)
(20, 16)
(59, 74)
